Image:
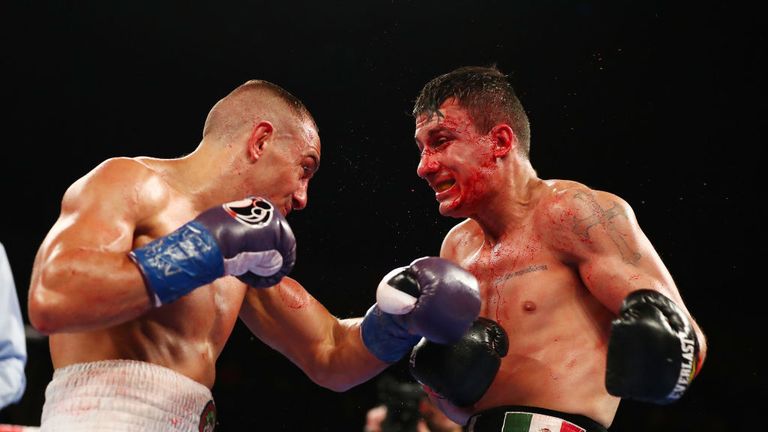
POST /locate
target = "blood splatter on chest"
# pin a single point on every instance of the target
(505, 271)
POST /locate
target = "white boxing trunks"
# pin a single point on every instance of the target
(126, 396)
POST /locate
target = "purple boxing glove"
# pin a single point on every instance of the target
(248, 239)
(432, 298)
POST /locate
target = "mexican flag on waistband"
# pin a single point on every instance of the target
(528, 422)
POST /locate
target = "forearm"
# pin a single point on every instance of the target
(328, 350)
(86, 290)
(347, 362)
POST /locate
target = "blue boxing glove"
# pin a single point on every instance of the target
(248, 239)
(432, 298)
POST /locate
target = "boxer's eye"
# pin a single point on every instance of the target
(439, 140)
(308, 167)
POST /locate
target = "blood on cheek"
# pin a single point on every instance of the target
(474, 186)
(476, 180)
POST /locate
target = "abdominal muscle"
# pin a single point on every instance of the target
(186, 336)
(557, 335)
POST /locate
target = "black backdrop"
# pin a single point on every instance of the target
(660, 103)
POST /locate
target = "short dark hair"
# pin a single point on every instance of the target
(486, 94)
(236, 110)
(295, 104)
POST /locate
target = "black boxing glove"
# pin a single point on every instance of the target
(653, 352)
(461, 372)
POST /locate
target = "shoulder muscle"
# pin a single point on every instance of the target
(118, 186)
(581, 220)
(461, 240)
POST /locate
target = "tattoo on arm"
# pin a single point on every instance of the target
(603, 217)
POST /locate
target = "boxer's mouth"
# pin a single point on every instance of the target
(444, 185)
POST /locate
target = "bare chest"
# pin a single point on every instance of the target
(214, 306)
(522, 279)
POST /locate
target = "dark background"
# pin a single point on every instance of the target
(660, 103)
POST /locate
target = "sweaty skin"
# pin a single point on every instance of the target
(90, 297)
(554, 260)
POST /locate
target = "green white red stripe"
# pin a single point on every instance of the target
(530, 422)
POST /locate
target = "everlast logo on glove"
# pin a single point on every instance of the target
(687, 367)
(255, 212)
(652, 351)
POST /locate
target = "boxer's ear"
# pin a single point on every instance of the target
(259, 139)
(504, 140)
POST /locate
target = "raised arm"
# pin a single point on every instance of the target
(82, 277)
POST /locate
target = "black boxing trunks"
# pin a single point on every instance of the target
(530, 419)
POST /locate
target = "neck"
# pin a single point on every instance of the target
(510, 206)
(205, 176)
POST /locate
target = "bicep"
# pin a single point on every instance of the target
(83, 259)
(617, 258)
(101, 210)
(613, 255)
(93, 226)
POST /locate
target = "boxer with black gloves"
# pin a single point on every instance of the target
(555, 261)
(461, 372)
(653, 352)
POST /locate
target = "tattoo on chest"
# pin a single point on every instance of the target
(603, 217)
(531, 268)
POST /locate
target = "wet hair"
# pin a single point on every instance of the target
(486, 94)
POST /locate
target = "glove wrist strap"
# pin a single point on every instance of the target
(176, 264)
(385, 335)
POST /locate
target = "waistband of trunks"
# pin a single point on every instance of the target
(515, 418)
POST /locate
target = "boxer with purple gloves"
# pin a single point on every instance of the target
(247, 238)
(431, 298)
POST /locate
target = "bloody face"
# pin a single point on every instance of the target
(456, 160)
